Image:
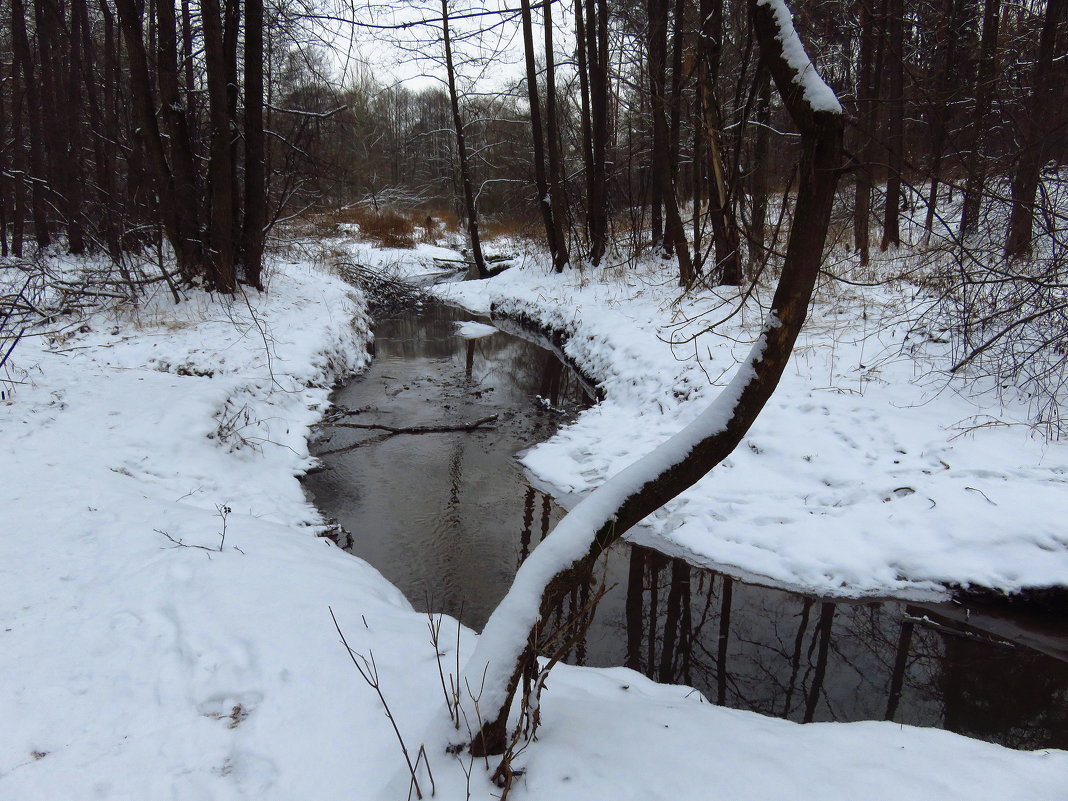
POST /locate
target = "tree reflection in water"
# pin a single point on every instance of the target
(807, 660)
(438, 515)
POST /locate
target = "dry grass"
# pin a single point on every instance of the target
(386, 229)
(528, 229)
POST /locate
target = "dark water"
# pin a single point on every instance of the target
(448, 517)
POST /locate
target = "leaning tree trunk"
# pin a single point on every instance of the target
(568, 554)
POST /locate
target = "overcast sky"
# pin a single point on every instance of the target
(488, 42)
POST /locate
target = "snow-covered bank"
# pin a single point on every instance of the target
(868, 474)
(134, 668)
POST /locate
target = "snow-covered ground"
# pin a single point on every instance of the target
(166, 632)
(870, 473)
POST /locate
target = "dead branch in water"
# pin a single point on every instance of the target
(390, 431)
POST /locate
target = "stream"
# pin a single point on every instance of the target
(448, 517)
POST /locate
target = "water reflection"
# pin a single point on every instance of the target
(448, 517)
(795, 657)
(437, 513)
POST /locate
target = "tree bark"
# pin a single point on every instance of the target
(171, 188)
(75, 112)
(939, 114)
(541, 181)
(975, 167)
(220, 169)
(177, 129)
(895, 124)
(461, 149)
(597, 53)
(867, 96)
(625, 499)
(107, 203)
(724, 226)
(17, 163)
(1039, 143)
(674, 233)
(20, 45)
(552, 140)
(255, 147)
(758, 182)
(582, 63)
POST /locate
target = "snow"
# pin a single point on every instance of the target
(815, 91)
(809, 501)
(136, 668)
(474, 330)
(570, 540)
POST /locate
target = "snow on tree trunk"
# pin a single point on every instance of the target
(566, 556)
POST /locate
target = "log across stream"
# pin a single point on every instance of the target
(420, 471)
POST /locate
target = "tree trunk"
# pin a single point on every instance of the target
(171, 189)
(758, 182)
(220, 170)
(541, 182)
(75, 139)
(974, 165)
(552, 134)
(16, 181)
(231, 26)
(724, 227)
(582, 62)
(867, 96)
(895, 124)
(628, 497)
(187, 197)
(597, 42)
(675, 234)
(939, 112)
(1039, 142)
(678, 16)
(20, 46)
(103, 162)
(255, 147)
(53, 133)
(461, 149)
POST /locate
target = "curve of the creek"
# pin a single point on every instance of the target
(448, 516)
